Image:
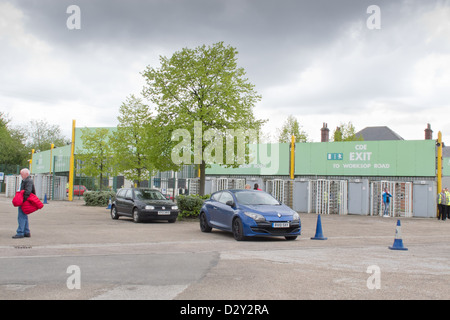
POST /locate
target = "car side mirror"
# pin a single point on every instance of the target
(230, 203)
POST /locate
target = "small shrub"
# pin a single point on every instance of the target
(98, 198)
(190, 205)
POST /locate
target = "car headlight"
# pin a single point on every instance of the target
(255, 216)
(174, 207)
(295, 216)
(149, 208)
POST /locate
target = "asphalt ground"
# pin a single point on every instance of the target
(119, 259)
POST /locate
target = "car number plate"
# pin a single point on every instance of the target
(280, 225)
(163, 213)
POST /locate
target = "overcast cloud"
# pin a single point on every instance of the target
(316, 60)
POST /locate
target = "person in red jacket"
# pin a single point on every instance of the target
(28, 186)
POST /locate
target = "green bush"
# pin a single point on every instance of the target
(190, 205)
(98, 198)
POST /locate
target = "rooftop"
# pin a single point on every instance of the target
(378, 134)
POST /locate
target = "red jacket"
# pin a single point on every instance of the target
(31, 205)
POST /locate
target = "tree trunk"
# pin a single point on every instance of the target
(101, 176)
(139, 176)
(202, 177)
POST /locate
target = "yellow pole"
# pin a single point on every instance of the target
(72, 151)
(31, 161)
(439, 164)
(51, 158)
(292, 168)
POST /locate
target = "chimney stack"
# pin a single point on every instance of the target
(428, 132)
(325, 133)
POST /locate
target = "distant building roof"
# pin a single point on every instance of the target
(378, 134)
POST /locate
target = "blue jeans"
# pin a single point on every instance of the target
(23, 228)
(386, 209)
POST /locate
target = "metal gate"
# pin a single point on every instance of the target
(193, 185)
(276, 188)
(220, 184)
(237, 183)
(215, 184)
(58, 188)
(401, 201)
(329, 196)
(52, 187)
(12, 185)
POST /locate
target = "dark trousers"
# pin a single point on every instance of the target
(442, 211)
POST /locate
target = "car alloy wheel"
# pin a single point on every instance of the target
(238, 230)
(114, 214)
(204, 226)
(136, 217)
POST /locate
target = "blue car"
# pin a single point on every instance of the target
(248, 213)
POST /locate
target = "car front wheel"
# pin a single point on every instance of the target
(136, 217)
(204, 226)
(114, 214)
(238, 230)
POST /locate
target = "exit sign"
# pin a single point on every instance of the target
(335, 156)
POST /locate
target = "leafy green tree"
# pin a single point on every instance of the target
(96, 158)
(202, 85)
(12, 150)
(346, 132)
(291, 127)
(129, 144)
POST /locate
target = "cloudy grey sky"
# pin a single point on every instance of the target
(315, 59)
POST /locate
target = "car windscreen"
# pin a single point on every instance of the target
(149, 195)
(255, 198)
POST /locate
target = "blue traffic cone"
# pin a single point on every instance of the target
(319, 233)
(109, 204)
(45, 199)
(398, 242)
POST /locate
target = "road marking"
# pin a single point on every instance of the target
(142, 292)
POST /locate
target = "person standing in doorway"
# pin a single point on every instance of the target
(442, 207)
(28, 186)
(386, 201)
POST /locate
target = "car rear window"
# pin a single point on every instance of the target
(149, 195)
(121, 193)
(129, 194)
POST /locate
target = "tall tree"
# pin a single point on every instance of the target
(12, 150)
(96, 158)
(199, 86)
(346, 132)
(128, 143)
(41, 134)
(291, 127)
